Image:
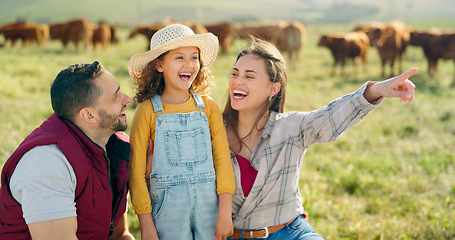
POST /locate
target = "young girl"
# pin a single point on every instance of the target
(188, 141)
(269, 146)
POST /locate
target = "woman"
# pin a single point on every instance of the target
(268, 146)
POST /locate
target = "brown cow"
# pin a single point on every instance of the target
(44, 32)
(195, 26)
(18, 24)
(290, 40)
(75, 31)
(20, 30)
(223, 31)
(101, 35)
(27, 35)
(265, 30)
(391, 39)
(225, 34)
(24, 31)
(288, 37)
(353, 45)
(114, 38)
(146, 31)
(373, 30)
(392, 45)
(435, 46)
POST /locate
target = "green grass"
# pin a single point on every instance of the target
(389, 177)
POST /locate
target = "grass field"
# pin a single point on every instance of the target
(390, 177)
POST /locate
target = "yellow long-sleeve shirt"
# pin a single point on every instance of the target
(143, 129)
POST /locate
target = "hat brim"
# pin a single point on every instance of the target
(206, 42)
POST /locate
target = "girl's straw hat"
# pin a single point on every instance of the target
(172, 37)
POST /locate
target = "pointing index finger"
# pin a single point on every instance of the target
(409, 73)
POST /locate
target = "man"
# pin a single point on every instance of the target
(68, 178)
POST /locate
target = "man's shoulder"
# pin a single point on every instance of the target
(44, 184)
(43, 163)
(49, 155)
(44, 151)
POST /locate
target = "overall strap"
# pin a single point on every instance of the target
(198, 100)
(156, 102)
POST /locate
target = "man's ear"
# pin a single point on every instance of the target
(86, 115)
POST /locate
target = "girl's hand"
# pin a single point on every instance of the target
(223, 228)
(399, 86)
(148, 229)
(149, 234)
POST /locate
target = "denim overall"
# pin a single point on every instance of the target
(182, 182)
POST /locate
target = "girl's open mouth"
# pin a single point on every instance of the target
(185, 76)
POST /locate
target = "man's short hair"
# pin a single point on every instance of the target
(74, 89)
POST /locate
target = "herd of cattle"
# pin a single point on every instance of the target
(390, 39)
(76, 31)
